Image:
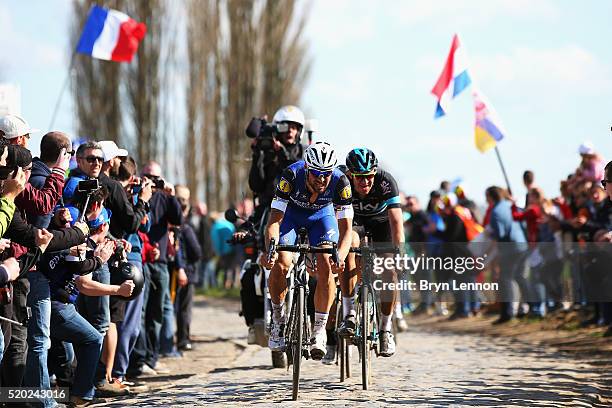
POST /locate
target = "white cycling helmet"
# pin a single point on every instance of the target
(320, 156)
(290, 113)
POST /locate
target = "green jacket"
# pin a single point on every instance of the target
(7, 209)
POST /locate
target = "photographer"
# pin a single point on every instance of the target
(12, 184)
(275, 146)
(69, 274)
(31, 242)
(129, 328)
(164, 209)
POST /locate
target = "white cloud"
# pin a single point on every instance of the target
(470, 12)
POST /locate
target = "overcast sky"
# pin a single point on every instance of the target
(546, 66)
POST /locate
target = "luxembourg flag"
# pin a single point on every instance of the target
(453, 79)
(110, 35)
(488, 130)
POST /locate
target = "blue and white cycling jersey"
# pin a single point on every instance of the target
(317, 213)
(291, 190)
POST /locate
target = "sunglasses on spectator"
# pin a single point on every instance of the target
(29, 168)
(604, 182)
(71, 152)
(150, 176)
(93, 159)
(318, 173)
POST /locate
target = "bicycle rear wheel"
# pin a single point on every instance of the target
(298, 338)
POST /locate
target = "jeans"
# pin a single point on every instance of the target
(128, 331)
(166, 338)
(68, 325)
(61, 356)
(466, 300)
(96, 308)
(155, 309)
(184, 304)
(14, 359)
(36, 373)
(139, 353)
(512, 269)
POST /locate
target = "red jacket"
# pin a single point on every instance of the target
(39, 201)
(533, 216)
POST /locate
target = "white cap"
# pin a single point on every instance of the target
(110, 150)
(586, 148)
(14, 126)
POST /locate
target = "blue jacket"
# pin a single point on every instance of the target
(221, 231)
(506, 229)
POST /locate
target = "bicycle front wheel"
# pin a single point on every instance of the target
(298, 338)
(365, 340)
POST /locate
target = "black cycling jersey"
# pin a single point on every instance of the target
(383, 195)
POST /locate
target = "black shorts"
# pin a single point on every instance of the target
(117, 309)
(379, 228)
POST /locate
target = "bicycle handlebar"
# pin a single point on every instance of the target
(303, 249)
(377, 250)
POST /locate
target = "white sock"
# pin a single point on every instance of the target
(386, 324)
(398, 310)
(278, 312)
(320, 322)
(348, 306)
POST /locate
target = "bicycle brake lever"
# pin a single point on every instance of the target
(334, 254)
(271, 249)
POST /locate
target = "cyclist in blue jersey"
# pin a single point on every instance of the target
(377, 208)
(313, 194)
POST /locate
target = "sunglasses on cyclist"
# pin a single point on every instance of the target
(604, 182)
(367, 175)
(94, 159)
(318, 173)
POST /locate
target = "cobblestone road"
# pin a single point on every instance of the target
(430, 369)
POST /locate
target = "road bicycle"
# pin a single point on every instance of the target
(297, 329)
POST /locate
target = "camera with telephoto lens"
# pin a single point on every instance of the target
(267, 133)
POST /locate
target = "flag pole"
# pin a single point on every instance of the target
(61, 94)
(503, 169)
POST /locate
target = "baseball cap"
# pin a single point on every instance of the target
(14, 126)
(110, 150)
(103, 218)
(586, 148)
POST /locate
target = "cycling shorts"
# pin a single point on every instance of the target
(379, 228)
(322, 225)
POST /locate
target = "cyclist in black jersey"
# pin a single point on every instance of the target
(377, 210)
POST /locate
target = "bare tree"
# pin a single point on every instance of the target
(245, 57)
(95, 85)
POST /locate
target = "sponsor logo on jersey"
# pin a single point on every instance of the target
(284, 186)
(386, 187)
(346, 193)
(368, 208)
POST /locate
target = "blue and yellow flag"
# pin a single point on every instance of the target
(488, 129)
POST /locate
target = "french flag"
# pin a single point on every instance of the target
(453, 79)
(110, 35)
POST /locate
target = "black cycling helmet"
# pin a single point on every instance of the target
(362, 161)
